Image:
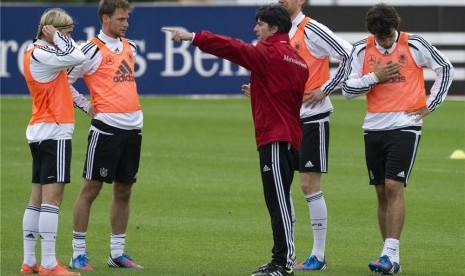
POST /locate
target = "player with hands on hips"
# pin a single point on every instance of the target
(316, 44)
(115, 134)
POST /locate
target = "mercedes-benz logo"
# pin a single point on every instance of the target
(371, 60)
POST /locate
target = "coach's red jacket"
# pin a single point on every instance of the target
(277, 82)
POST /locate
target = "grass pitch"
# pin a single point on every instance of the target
(198, 207)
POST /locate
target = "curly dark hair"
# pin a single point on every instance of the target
(275, 15)
(381, 18)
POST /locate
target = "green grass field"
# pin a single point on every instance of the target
(198, 208)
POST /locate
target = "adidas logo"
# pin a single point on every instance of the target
(309, 164)
(124, 73)
(401, 174)
(265, 168)
(30, 236)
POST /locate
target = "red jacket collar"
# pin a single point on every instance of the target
(278, 37)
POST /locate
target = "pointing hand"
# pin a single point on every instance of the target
(178, 34)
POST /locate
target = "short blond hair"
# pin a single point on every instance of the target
(56, 17)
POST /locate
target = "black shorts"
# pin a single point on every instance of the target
(313, 154)
(391, 154)
(113, 154)
(51, 161)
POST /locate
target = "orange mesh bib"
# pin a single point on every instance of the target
(318, 69)
(112, 86)
(52, 102)
(401, 93)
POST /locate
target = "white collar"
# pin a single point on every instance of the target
(298, 19)
(102, 36)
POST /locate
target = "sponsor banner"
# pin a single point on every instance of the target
(163, 66)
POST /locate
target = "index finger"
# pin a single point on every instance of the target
(171, 30)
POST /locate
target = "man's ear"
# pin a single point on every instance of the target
(274, 29)
(105, 18)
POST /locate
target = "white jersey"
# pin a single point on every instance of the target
(322, 42)
(424, 55)
(132, 120)
(46, 63)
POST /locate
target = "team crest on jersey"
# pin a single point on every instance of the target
(402, 57)
(103, 172)
(109, 60)
(298, 46)
(371, 60)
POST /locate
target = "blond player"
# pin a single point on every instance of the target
(49, 135)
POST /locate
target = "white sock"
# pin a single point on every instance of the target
(79, 243)
(391, 246)
(117, 245)
(30, 234)
(318, 217)
(48, 226)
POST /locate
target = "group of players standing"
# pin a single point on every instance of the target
(289, 88)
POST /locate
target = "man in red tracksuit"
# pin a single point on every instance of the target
(277, 82)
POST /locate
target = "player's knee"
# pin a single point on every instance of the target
(394, 188)
(122, 192)
(89, 193)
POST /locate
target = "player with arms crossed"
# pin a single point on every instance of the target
(115, 136)
(387, 67)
